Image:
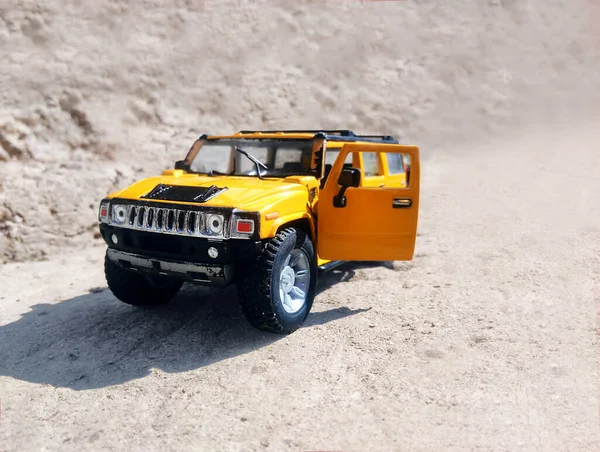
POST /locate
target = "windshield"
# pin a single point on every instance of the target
(280, 157)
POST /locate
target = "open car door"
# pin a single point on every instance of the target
(365, 222)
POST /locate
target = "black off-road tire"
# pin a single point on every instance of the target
(258, 285)
(136, 289)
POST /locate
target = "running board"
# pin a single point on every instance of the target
(331, 265)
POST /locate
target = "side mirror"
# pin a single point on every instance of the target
(179, 164)
(349, 177)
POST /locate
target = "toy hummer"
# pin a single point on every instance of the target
(266, 211)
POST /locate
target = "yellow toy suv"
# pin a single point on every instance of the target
(266, 211)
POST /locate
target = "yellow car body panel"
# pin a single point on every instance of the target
(287, 199)
(389, 214)
(368, 228)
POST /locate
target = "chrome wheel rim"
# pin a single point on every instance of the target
(294, 281)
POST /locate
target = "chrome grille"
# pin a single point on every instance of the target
(165, 220)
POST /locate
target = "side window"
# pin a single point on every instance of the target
(395, 163)
(371, 164)
(332, 154)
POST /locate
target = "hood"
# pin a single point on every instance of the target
(244, 193)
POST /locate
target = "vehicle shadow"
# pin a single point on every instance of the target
(346, 272)
(94, 341)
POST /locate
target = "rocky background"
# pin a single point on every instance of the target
(95, 96)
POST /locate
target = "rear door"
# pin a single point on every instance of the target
(378, 222)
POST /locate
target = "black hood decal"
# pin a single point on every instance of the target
(184, 194)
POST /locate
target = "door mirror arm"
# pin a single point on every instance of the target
(349, 177)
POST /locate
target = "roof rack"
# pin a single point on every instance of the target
(381, 137)
(342, 132)
(332, 135)
(366, 138)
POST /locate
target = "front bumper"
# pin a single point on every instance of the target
(178, 248)
(209, 274)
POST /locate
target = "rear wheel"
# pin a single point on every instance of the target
(277, 292)
(136, 289)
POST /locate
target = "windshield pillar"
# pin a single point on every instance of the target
(318, 154)
(194, 149)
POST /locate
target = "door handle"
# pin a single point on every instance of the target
(401, 203)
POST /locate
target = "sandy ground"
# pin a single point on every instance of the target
(488, 340)
(95, 95)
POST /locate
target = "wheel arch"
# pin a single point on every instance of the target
(259, 290)
(304, 223)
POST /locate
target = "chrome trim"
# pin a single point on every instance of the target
(216, 275)
(137, 217)
(218, 192)
(294, 281)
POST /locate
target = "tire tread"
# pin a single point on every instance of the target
(134, 289)
(254, 289)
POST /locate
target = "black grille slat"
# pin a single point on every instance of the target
(160, 219)
(140, 218)
(170, 220)
(132, 215)
(150, 219)
(180, 220)
(192, 222)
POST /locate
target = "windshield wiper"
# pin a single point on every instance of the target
(257, 162)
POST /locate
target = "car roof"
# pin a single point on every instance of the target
(330, 135)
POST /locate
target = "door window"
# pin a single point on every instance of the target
(395, 163)
(371, 164)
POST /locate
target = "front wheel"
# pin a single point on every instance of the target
(277, 293)
(136, 289)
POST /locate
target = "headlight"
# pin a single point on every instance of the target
(119, 214)
(214, 224)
